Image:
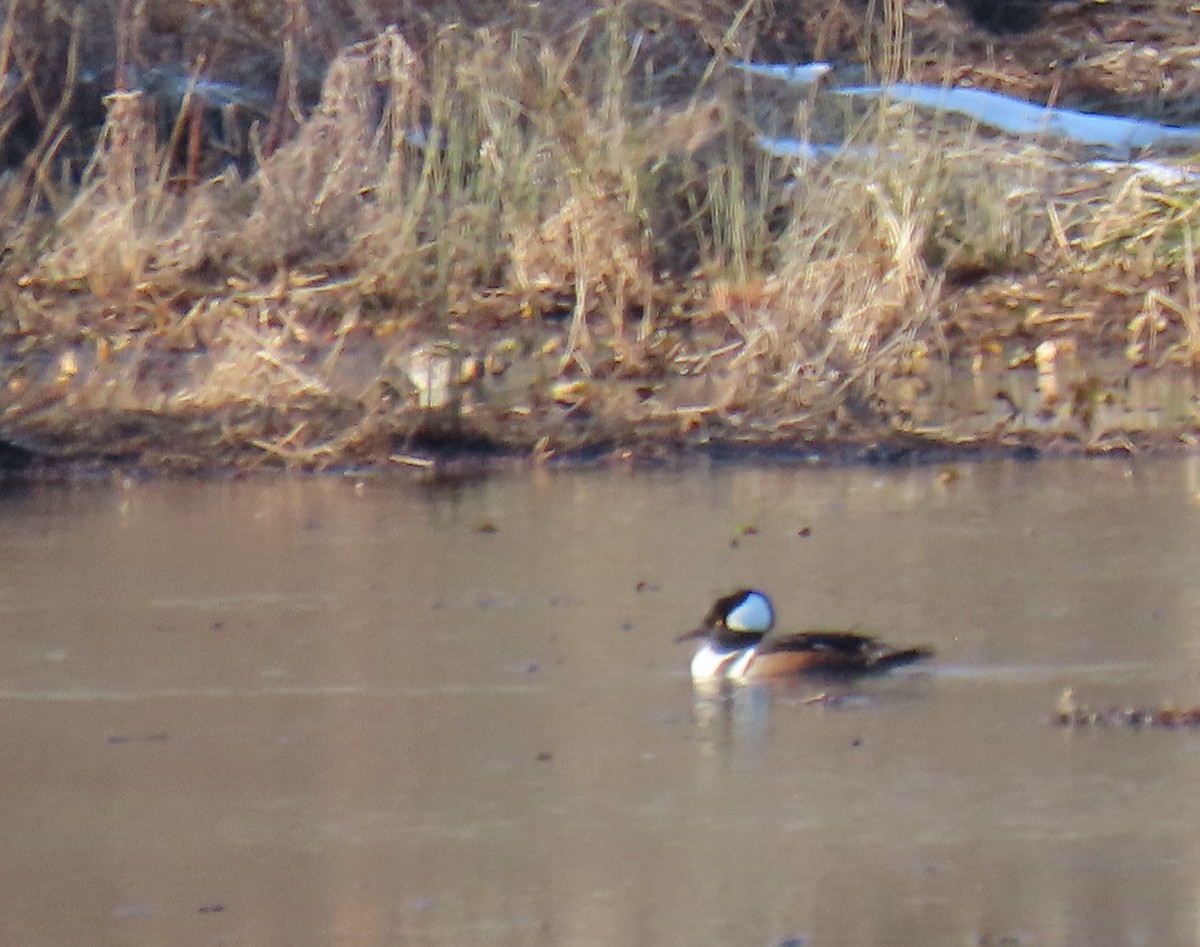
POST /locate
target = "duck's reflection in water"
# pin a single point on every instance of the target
(725, 713)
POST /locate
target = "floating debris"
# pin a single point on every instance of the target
(116, 739)
(1069, 713)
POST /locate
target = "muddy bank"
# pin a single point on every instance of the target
(445, 413)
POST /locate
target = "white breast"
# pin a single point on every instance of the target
(737, 670)
(715, 664)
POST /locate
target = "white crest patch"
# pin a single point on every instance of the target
(753, 613)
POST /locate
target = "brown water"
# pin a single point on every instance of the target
(315, 711)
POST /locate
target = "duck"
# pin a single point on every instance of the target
(741, 645)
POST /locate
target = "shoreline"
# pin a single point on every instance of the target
(496, 242)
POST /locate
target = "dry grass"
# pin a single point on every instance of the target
(508, 237)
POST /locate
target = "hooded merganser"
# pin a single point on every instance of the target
(741, 647)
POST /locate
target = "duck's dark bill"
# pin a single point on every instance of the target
(695, 633)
